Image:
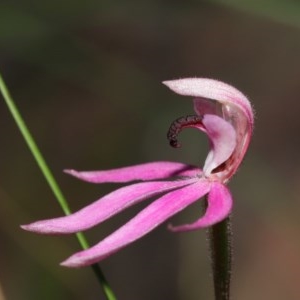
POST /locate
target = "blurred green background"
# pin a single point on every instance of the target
(86, 76)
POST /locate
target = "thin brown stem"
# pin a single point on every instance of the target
(220, 239)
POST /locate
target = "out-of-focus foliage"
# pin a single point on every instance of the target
(283, 11)
(87, 77)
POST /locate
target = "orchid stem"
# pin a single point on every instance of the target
(50, 180)
(220, 237)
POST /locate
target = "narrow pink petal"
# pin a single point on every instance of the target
(148, 219)
(105, 207)
(223, 141)
(211, 89)
(147, 171)
(219, 207)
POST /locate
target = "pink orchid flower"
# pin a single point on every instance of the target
(226, 116)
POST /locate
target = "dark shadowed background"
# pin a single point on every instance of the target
(86, 76)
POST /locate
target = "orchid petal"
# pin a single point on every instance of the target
(148, 219)
(104, 208)
(210, 89)
(147, 171)
(223, 141)
(212, 97)
(219, 207)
